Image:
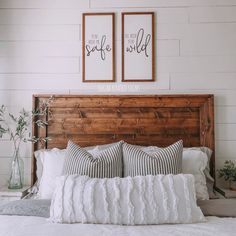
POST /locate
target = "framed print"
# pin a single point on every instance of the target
(138, 47)
(98, 47)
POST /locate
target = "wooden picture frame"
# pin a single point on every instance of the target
(138, 47)
(98, 47)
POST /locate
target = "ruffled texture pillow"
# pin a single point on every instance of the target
(139, 200)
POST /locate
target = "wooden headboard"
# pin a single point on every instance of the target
(138, 119)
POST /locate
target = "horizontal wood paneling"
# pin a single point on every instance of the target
(67, 81)
(226, 114)
(195, 31)
(40, 49)
(225, 149)
(225, 132)
(128, 101)
(205, 46)
(197, 81)
(158, 3)
(45, 4)
(73, 16)
(168, 48)
(39, 65)
(40, 32)
(125, 113)
(226, 98)
(196, 64)
(34, 49)
(212, 14)
(40, 16)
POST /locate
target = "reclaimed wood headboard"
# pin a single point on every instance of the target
(138, 119)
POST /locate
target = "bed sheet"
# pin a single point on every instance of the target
(37, 226)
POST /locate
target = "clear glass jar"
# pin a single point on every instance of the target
(17, 172)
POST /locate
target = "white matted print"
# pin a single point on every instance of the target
(98, 47)
(138, 49)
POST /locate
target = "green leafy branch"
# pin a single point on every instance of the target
(17, 127)
(228, 172)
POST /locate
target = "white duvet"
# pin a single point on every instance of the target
(36, 226)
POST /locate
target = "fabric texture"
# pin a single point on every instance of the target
(39, 156)
(38, 226)
(152, 161)
(139, 200)
(39, 208)
(195, 162)
(209, 179)
(52, 165)
(99, 164)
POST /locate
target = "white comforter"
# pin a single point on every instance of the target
(36, 226)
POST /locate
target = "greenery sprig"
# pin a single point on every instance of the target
(17, 127)
(228, 172)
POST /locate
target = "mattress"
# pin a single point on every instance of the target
(38, 226)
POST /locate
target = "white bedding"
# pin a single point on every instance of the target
(36, 226)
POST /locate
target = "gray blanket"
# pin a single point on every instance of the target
(41, 208)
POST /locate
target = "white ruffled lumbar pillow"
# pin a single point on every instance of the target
(136, 200)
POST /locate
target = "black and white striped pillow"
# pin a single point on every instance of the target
(140, 161)
(103, 164)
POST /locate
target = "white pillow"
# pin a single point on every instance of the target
(39, 156)
(195, 162)
(52, 166)
(139, 200)
(93, 150)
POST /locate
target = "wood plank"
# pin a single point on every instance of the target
(40, 33)
(123, 112)
(130, 101)
(137, 140)
(44, 4)
(212, 14)
(156, 3)
(39, 65)
(84, 126)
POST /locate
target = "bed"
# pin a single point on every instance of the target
(141, 120)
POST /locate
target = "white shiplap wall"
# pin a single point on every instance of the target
(40, 52)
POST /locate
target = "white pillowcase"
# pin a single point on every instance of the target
(195, 162)
(52, 165)
(140, 200)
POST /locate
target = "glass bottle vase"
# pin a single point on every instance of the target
(17, 168)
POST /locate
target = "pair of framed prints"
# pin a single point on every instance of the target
(138, 47)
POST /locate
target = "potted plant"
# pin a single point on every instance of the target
(228, 172)
(17, 130)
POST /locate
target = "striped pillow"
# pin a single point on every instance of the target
(141, 161)
(102, 164)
